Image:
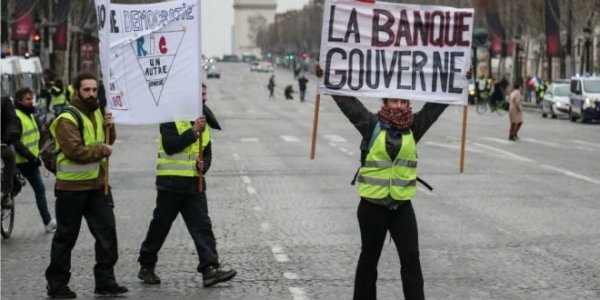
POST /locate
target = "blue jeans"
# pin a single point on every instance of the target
(34, 177)
(302, 94)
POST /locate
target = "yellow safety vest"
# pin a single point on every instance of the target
(381, 176)
(67, 169)
(61, 99)
(183, 163)
(30, 136)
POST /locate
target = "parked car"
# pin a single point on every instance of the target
(556, 100)
(266, 67)
(254, 66)
(585, 99)
(213, 72)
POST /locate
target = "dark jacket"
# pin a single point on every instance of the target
(174, 143)
(32, 160)
(11, 127)
(365, 122)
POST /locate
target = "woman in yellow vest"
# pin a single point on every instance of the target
(386, 185)
(28, 153)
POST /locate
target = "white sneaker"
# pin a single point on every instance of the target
(51, 227)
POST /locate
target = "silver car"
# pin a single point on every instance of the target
(556, 101)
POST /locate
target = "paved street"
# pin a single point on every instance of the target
(522, 222)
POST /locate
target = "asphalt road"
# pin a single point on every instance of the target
(522, 221)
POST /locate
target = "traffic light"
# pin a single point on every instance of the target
(37, 44)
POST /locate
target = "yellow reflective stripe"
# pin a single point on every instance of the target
(71, 168)
(29, 132)
(373, 181)
(403, 183)
(386, 182)
(406, 163)
(179, 156)
(31, 144)
(378, 164)
(176, 167)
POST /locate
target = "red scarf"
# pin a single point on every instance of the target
(399, 118)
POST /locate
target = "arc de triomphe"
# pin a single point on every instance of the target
(250, 16)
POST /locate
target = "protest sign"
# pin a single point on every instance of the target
(150, 60)
(414, 52)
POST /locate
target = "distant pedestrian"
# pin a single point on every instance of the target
(515, 112)
(288, 92)
(271, 86)
(80, 168)
(302, 86)
(59, 97)
(178, 169)
(28, 153)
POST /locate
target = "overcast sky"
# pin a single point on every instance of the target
(217, 21)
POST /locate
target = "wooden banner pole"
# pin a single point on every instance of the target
(313, 144)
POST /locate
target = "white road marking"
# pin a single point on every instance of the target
(276, 249)
(264, 226)
(497, 140)
(119, 141)
(289, 138)
(571, 174)
(290, 275)
(586, 143)
(584, 148)
(335, 138)
(425, 190)
(505, 153)
(540, 142)
(249, 140)
(245, 179)
(453, 147)
(298, 293)
(257, 208)
(251, 190)
(236, 156)
(281, 257)
(251, 110)
(334, 145)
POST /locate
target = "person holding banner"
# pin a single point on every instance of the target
(81, 164)
(386, 186)
(177, 192)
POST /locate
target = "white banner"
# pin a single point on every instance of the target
(150, 57)
(390, 50)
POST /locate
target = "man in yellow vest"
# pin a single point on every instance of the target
(79, 190)
(59, 98)
(177, 175)
(28, 153)
(386, 185)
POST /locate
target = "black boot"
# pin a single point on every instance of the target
(63, 292)
(213, 275)
(110, 290)
(147, 275)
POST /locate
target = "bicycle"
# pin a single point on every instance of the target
(500, 108)
(8, 212)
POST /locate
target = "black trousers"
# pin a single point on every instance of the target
(97, 209)
(374, 222)
(194, 210)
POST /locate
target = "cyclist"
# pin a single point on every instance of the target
(11, 132)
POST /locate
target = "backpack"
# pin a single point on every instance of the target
(48, 152)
